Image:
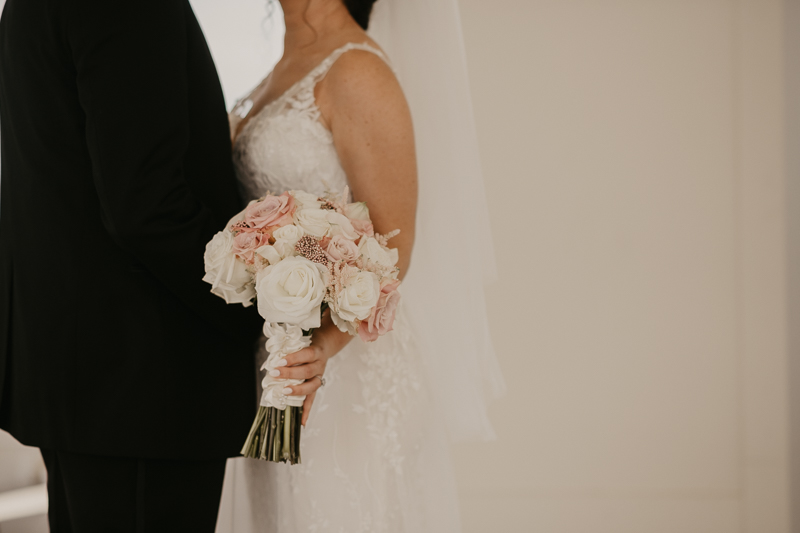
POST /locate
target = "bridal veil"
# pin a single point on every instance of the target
(453, 256)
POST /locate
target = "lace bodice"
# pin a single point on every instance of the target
(284, 146)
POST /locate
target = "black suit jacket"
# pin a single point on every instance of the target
(116, 171)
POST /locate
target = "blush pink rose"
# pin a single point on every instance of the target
(246, 243)
(381, 320)
(340, 248)
(272, 211)
(363, 227)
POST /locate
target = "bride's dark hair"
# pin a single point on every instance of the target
(360, 10)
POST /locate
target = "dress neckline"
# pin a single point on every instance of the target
(321, 66)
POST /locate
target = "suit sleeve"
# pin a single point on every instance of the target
(130, 60)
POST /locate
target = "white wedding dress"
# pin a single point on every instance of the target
(375, 457)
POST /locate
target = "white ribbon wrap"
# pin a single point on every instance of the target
(282, 340)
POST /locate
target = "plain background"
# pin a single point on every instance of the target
(641, 145)
(637, 156)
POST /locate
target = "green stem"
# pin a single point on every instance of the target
(265, 423)
(275, 435)
(276, 439)
(286, 449)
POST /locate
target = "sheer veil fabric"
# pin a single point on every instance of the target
(453, 257)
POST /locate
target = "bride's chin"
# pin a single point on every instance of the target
(296, 4)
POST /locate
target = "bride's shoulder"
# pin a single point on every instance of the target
(362, 76)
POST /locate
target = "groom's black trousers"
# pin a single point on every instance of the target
(91, 494)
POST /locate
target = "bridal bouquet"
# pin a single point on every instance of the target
(297, 255)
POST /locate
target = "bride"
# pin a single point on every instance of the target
(331, 115)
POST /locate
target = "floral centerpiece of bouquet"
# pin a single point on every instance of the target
(297, 255)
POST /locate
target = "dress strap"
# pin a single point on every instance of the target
(322, 69)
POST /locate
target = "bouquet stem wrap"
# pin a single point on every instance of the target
(275, 434)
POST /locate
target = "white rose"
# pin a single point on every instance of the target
(394, 255)
(290, 233)
(343, 325)
(371, 249)
(313, 222)
(218, 250)
(291, 292)
(357, 211)
(356, 300)
(285, 249)
(236, 292)
(269, 253)
(306, 200)
(227, 275)
(341, 225)
(286, 238)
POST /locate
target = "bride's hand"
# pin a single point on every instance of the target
(306, 364)
(310, 362)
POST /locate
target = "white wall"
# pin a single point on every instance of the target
(792, 39)
(246, 39)
(644, 339)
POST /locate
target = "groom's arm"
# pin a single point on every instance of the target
(131, 69)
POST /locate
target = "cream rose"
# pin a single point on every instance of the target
(341, 225)
(291, 292)
(240, 289)
(343, 325)
(356, 299)
(371, 249)
(286, 238)
(306, 200)
(218, 250)
(227, 275)
(289, 233)
(313, 222)
(269, 253)
(357, 211)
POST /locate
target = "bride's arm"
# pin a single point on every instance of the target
(363, 105)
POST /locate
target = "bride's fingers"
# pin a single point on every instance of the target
(309, 401)
(306, 355)
(309, 387)
(305, 371)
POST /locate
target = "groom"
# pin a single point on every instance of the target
(115, 359)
